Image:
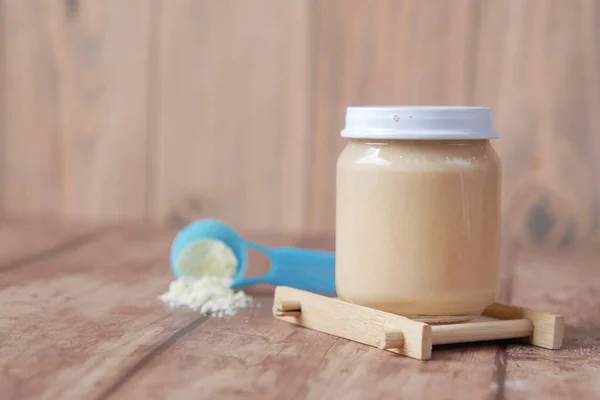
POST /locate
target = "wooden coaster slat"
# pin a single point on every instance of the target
(481, 331)
(408, 337)
(357, 323)
(548, 329)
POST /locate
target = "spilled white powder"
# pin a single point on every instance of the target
(208, 266)
(210, 295)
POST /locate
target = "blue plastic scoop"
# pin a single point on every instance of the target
(305, 269)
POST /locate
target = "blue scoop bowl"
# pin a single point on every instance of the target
(312, 270)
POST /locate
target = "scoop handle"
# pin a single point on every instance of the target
(306, 269)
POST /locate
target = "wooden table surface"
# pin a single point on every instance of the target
(79, 319)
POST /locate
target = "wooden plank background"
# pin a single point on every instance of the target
(165, 111)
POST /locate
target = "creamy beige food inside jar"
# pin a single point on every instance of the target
(418, 211)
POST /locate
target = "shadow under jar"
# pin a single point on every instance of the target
(418, 211)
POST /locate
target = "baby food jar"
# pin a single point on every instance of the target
(418, 211)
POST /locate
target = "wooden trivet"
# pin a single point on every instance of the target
(413, 338)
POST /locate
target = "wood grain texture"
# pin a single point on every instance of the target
(75, 79)
(565, 283)
(538, 65)
(232, 121)
(76, 322)
(23, 241)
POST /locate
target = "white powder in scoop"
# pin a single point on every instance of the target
(208, 266)
(207, 257)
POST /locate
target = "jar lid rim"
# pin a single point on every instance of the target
(419, 122)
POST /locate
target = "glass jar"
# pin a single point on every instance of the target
(418, 211)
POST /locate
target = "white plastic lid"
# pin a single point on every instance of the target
(419, 122)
